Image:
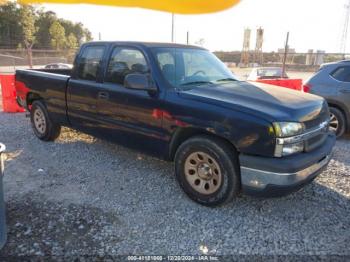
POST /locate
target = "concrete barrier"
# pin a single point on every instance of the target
(295, 84)
(9, 94)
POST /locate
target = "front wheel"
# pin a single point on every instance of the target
(337, 122)
(42, 125)
(207, 170)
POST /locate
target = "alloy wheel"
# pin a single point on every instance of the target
(333, 123)
(40, 121)
(203, 173)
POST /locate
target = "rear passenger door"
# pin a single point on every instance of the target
(83, 88)
(128, 115)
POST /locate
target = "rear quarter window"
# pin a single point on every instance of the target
(90, 62)
(342, 74)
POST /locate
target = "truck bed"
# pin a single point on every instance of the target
(65, 72)
(49, 84)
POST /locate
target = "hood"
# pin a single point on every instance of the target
(262, 100)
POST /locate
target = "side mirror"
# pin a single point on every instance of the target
(140, 82)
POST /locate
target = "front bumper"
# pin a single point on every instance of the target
(262, 176)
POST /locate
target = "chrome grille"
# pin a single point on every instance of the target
(319, 137)
(315, 142)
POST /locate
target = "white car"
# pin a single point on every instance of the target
(266, 73)
(58, 66)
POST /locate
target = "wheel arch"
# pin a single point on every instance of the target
(344, 111)
(31, 97)
(183, 134)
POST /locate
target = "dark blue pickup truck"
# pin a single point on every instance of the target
(182, 104)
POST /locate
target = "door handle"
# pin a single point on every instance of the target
(103, 95)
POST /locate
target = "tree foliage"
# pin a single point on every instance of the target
(27, 23)
(72, 42)
(11, 33)
(58, 35)
(29, 26)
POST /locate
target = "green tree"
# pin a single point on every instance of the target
(58, 35)
(27, 21)
(44, 22)
(72, 42)
(17, 27)
(10, 28)
(87, 35)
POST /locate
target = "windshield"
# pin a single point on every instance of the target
(271, 72)
(183, 67)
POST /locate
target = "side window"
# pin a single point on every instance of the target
(89, 62)
(125, 61)
(342, 74)
(166, 61)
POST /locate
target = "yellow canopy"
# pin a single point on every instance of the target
(173, 6)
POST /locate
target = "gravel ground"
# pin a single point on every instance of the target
(84, 196)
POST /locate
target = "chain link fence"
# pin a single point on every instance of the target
(302, 63)
(12, 59)
(309, 62)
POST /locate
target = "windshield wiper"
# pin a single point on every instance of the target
(227, 80)
(196, 83)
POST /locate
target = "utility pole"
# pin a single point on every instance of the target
(99, 36)
(172, 28)
(285, 55)
(344, 35)
(188, 38)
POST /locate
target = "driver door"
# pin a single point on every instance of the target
(126, 115)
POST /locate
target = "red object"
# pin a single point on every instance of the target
(159, 114)
(9, 94)
(295, 84)
(306, 88)
(22, 90)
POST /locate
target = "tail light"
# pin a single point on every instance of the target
(307, 88)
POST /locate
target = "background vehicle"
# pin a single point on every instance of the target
(332, 82)
(274, 76)
(181, 103)
(58, 66)
(266, 73)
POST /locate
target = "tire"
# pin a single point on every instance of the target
(337, 122)
(200, 161)
(44, 128)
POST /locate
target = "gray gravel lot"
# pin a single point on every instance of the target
(81, 195)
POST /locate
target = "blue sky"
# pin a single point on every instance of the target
(313, 24)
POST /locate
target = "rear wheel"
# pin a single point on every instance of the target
(42, 125)
(337, 122)
(207, 170)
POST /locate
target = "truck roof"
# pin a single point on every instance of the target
(145, 44)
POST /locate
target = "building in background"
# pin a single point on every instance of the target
(246, 48)
(258, 52)
(315, 59)
(290, 55)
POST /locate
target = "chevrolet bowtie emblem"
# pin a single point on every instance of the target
(324, 125)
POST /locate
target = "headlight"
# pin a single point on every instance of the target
(286, 146)
(286, 129)
(289, 149)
